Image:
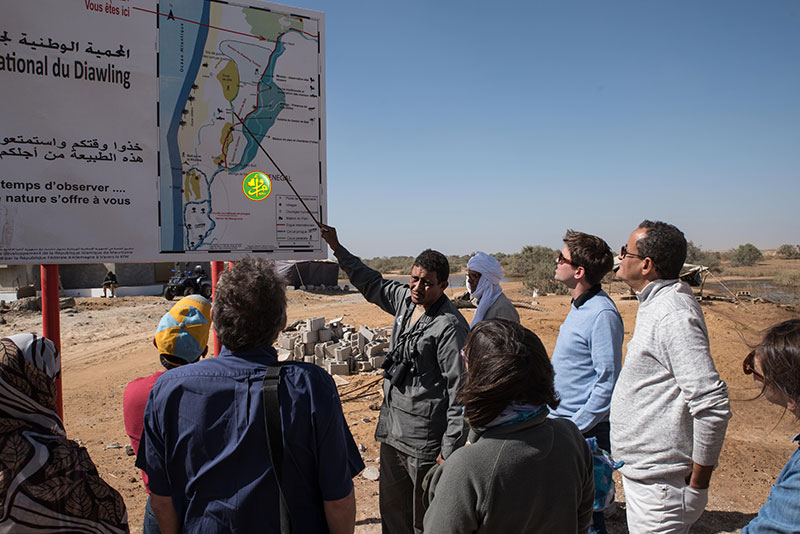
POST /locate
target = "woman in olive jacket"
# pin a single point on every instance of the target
(522, 472)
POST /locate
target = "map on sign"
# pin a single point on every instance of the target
(219, 62)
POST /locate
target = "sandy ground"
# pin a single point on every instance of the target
(107, 343)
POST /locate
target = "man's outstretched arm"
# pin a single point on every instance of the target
(387, 294)
(341, 514)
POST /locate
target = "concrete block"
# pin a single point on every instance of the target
(309, 336)
(284, 354)
(342, 354)
(361, 341)
(377, 347)
(338, 368)
(368, 333)
(319, 350)
(330, 348)
(286, 341)
(326, 334)
(299, 352)
(319, 360)
(309, 359)
(310, 347)
(363, 367)
(377, 361)
(315, 323)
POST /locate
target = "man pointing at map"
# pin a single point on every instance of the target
(420, 422)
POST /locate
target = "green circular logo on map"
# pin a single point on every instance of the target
(256, 186)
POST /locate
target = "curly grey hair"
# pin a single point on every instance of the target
(249, 309)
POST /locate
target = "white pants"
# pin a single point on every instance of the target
(662, 505)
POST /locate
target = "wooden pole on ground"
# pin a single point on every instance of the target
(51, 320)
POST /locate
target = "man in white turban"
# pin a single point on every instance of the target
(483, 282)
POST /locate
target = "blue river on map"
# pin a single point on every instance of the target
(270, 103)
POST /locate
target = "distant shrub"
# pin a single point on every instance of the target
(789, 278)
(536, 265)
(697, 255)
(789, 252)
(458, 263)
(400, 264)
(746, 254)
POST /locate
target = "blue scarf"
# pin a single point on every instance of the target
(515, 412)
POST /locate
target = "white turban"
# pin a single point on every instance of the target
(488, 288)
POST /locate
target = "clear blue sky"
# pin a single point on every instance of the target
(468, 126)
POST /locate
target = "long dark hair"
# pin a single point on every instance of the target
(779, 355)
(506, 362)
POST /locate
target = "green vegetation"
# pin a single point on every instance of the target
(789, 252)
(746, 254)
(536, 266)
(788, 278)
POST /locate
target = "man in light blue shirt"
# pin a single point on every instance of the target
(588, 354)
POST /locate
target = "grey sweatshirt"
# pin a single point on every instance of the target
(669, 407)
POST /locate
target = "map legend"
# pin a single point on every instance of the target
(295, 226)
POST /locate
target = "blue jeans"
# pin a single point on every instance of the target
(150, 525)
(601, 431)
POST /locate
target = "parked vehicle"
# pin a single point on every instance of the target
(188, 282)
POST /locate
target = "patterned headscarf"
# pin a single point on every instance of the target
(47, 483)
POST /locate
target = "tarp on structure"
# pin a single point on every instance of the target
(693, 274)
(309, 273)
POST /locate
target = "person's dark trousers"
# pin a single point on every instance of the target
(150, 525)
(602, 433)
(400, 487)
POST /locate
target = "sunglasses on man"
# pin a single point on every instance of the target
(623, 253)
(562, 260)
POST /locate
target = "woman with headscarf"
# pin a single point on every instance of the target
(47, 482)
(483, 282)
(523, 472)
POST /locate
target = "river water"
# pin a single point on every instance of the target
(764, 288)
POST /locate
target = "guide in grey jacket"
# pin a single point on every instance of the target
(420, 416)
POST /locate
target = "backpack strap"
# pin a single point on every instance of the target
(272, 419)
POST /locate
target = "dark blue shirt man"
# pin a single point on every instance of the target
(204, 446)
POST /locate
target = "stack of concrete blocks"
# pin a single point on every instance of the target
(286, 343)
(339, 348)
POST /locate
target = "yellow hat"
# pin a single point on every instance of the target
(183, 331)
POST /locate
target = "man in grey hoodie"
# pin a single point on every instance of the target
(669, 410)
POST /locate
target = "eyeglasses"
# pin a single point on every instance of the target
(749, 368)
(561, 260)
(623, 253)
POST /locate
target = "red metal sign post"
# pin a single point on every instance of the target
(51, 320)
